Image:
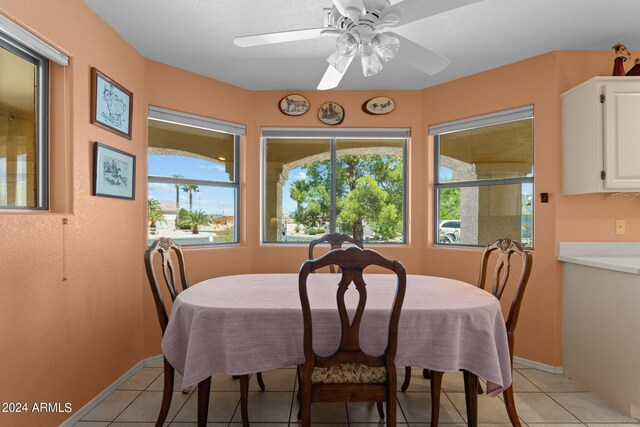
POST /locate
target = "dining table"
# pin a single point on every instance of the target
(251, 323)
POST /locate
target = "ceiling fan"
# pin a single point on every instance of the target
(365, 26)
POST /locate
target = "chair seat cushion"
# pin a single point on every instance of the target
(344, 373)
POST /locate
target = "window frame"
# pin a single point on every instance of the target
(41, 118)
(332, 138)
(486, 120)
(185, 119)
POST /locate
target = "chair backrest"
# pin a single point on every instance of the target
(506, 247)
(335, 240)
(352, 261)
(165, 247)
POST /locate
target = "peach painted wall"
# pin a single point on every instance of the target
(66, 341)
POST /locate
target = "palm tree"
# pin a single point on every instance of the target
(190, 189)
(155, 213)
(195, 219)
(178, 192)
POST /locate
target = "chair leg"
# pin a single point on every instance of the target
(260, 382)
(299, 394)
(380, 410)
(391, 411)
(436, 387)
(244, 398)
(305, 405)
(425, 374)
(204, 387)
(407, 378)
(471, 397)
(510, 403)
(167, 393)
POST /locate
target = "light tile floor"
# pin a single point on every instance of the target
(542, 400)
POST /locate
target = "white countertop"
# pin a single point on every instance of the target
(617, 256)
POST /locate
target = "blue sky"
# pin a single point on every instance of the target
(288, 204)
(212, 200)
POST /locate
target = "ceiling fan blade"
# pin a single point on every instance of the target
(332, 77)
(425, 60)
(414, 10)
(283, 36)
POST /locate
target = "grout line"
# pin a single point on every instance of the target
(293, 396)
(125, 408)
(464, 418)
(527, 379)
(347, 412)
(402, 410)
(558, 403)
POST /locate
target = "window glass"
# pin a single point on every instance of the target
(18, 131)
(193, 190)
(297, 189)
(369, 189)
(198, 153)
(484, 187)
(367, 201)
(500, 151)
(487, 213)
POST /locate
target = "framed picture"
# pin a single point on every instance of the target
(111, 105)
(331, 113)
(114, 172)
(378, 106)
(293, 105)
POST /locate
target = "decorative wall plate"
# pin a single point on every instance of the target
(379, 105)
(331, 113)
(293, 105)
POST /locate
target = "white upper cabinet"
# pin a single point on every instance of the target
(601, 136)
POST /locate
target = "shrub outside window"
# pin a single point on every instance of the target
(484, 179)
(352, 185)
(193, 184)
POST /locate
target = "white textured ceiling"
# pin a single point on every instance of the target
(197, 35)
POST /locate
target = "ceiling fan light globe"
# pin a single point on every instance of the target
(347, 44)
(371, 64)
(338, 61)
(386, 46)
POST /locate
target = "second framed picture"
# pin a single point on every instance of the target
(114, 172)
(111, 105)
(331, 113)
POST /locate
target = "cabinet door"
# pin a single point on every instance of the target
(622, 136)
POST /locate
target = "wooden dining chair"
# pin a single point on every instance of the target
(505, 247)
(349, 374)
(336, 240)
(165, 248)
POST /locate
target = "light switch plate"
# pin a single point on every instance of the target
(620, 226)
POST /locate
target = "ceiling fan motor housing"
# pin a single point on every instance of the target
(342, 14)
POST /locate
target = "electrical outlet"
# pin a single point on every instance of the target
(620, 226)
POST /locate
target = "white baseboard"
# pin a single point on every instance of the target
(99, 398)
(537, 365)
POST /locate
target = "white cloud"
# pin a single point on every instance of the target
(301, 175)
(212, 166)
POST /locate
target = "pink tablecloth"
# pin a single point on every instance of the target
(250, 323)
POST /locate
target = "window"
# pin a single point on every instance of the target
(484, 179)
(23, 126)
(349, 181)
(193, 178)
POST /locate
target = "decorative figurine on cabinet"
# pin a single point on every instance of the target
(621, 55)
(635, 70)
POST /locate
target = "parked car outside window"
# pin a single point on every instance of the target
(449, 231)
